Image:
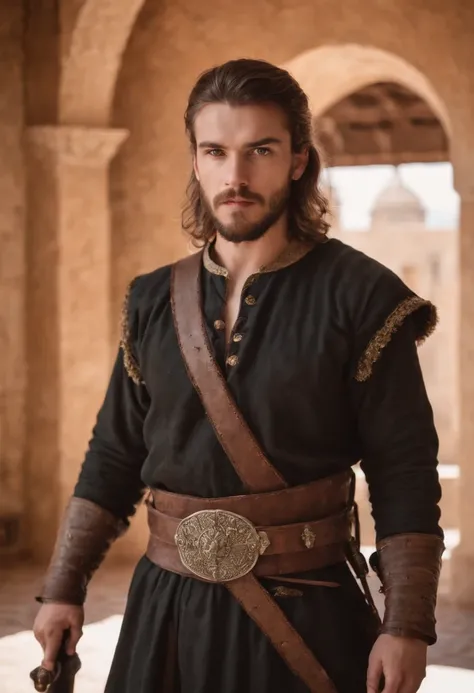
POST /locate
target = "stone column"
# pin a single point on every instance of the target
(69, 348)
(462, 560)
(12, 280)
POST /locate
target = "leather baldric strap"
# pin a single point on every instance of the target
(249, 461)
(266, 613)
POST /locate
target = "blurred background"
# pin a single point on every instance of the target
(93, 167)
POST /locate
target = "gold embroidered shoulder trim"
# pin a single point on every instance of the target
(131, 366)
(426, 325)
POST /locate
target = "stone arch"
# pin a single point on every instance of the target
(89, 73)
(329, 73)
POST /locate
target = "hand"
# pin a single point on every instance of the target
(402, 661)
(50, 623)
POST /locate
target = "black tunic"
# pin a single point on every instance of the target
(326, 373)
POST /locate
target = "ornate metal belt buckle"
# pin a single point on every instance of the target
(219, 546)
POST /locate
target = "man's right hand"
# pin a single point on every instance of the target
(50, 623)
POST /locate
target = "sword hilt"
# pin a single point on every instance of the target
(43, 678)
(61, 680)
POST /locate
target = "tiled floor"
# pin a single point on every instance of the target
(451, 659)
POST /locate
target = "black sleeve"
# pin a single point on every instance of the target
(398, 440)
(111, 471)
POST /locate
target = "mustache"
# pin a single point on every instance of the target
(232, 193)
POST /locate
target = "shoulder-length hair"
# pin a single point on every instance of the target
(243, 82)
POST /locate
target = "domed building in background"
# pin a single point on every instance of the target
(397, 204)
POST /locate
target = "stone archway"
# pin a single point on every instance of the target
(93, 57)
(329, 73)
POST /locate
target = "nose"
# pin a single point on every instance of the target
(236, 173)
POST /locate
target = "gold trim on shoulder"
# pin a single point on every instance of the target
(426, 325)
(130, 364)
(291, 254)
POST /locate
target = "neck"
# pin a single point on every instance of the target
(243, 259)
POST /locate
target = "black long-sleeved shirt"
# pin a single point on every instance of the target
(323, 365)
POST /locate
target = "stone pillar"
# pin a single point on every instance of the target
(69, 348)
(462, 560)
(12, 280)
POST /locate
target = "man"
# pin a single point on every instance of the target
(317, 369)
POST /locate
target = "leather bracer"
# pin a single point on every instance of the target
(408, 566)
(84, 537)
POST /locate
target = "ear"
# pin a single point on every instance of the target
(300, 161)
(195, 167)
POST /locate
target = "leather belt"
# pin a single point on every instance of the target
(218, 546)
(312, 501)
(167, 557)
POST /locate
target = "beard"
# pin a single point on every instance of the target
(240, 230)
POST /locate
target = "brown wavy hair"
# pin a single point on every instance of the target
(243, 82)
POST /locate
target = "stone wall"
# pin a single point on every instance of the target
(41, 76)
(12, 273)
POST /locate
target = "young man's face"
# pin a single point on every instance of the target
(245, 166)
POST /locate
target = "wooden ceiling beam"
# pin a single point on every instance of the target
(382, 123)
(386, 158)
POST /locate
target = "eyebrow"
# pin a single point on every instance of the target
(250, 145)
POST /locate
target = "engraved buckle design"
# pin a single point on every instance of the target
(218, 545)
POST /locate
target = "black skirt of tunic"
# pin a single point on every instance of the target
(180, 635)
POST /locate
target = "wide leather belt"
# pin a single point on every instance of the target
(312, 501)
(219, 546)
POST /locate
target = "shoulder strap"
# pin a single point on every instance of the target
(245, 454)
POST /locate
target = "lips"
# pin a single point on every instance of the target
(238, 203)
